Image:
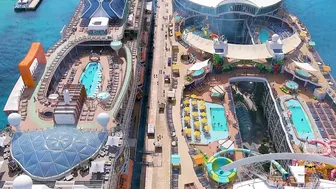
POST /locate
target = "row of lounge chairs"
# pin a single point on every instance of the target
(72, 76)
(200, 172)
(174, 149)
(324, 118)
(23, 110)
(113, 83)
(88, 114)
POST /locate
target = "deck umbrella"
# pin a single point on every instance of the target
(207, 128)
(197, 123)
(197, 134)
(202, 107)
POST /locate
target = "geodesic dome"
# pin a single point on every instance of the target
(51, 153)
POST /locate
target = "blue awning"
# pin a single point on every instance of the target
(90, 7)
(312, 43)
(175, 159)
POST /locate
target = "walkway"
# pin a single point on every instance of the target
(243, 52)
(158, 177)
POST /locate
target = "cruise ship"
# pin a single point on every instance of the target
(71, 111)
(239, 98)
(173, 94)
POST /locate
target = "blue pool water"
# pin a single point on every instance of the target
(300, 119)
(198, 72)
(90, 78)
(19, 30)
(303, 73)
(218, 119)
(263, 35)
(45, 23)
(292, 85)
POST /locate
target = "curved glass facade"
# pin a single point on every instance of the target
(51, 153)
(231, 20)
(225, 8)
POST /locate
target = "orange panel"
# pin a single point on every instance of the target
(126, 179)
(142, 75)
(35, 51)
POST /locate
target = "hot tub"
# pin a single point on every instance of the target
(198, 73)
(303, 74)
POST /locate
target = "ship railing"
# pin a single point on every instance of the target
(125, 127)
(126, 124)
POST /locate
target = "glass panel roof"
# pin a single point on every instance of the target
(90, 7)
(51, 153)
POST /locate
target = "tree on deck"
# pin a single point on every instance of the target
(218, 63)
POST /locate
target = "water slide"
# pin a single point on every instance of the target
(216, 161)
(326, 145)
(213, 35)
(284, 173)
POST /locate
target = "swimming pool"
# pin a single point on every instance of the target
(303, 73)
(263, 35)
(91, 78)
(300, 119)
(292, 85)
(218, 119)
(198, 72)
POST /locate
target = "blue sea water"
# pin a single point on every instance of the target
(18, 30)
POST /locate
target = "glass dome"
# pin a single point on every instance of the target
(51, 153)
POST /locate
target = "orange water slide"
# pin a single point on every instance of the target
(35, 51)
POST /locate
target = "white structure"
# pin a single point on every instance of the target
(199, 65)
(103, 96)
(299, 174)
(305, 66)
(15, 120)
(151, 129)
(275, 46)
(97, 167)
(116, 45)
(66, 96)
(114, 141)
(2, 141)
(217, 3)
(103, 119)
(12, 104)
(220, 47)
(242, 51)
(98, 24)
(23, 182)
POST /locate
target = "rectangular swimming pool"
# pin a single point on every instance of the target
(218, 119)
(90, 78)
(300, 119)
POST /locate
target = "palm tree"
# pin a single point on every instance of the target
(218, 62)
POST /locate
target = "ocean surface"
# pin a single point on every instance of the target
(18, 30)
